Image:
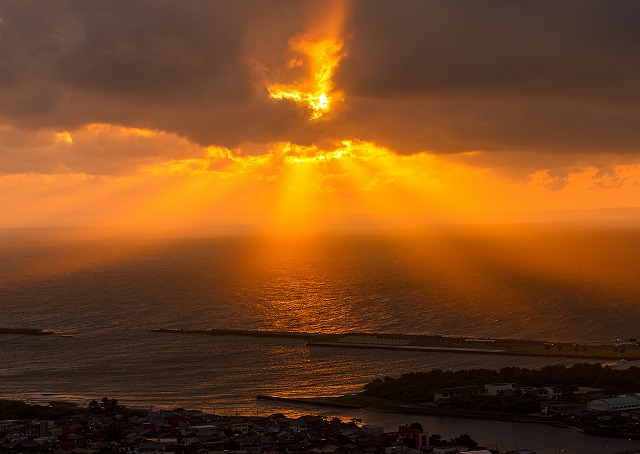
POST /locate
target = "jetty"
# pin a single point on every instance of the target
(237, 332)
(629, 351)
(26, 331)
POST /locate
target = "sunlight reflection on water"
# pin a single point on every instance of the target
(571, 286)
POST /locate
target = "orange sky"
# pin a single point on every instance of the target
(319, 151)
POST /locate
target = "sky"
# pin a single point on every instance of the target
(300, 115)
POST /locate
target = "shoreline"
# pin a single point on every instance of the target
(450, 413)
(417, 410)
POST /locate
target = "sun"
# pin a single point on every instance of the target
(317, 93)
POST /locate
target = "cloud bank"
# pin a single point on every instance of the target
(418, 75)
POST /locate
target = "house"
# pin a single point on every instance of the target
(285, 436)
(48, 440)
(41, 428)
(558, 408)
(450, 449)
(417, 436)
(150, 447)
(299, 425)
(239, 425)
(401, 450)
(205, 430)
(457, 391)
(615, 404)
(494, 389)
(549, 393)
(372, 430)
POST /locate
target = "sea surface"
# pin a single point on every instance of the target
(103, 295)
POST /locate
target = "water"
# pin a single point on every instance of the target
(565, 284)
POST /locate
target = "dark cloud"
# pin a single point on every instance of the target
(153, 51)
(98, 150)
(454, 125)
(196, 68)
(566, 49)
(547, 76)
(442, 76)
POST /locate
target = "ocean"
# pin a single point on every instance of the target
(102, 296)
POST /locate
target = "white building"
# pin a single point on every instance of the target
(615, 404)
(205, 430)
(549, 393)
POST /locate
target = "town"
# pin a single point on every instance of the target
(109, 427)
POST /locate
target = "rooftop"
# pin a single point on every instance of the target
(621, 400)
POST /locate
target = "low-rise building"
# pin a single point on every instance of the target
(548, 392)
(372, 430)
(615, 404)
(450, 449)
(458, 391)
(205, 430)
(558, 408)
(494, 389)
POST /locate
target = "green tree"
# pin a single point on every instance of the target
(465, 440)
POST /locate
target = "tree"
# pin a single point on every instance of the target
(231, 445)
(109, 407)
(435, 440)
(465, 440)
(94, 407)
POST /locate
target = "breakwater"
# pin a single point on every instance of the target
(237, 332)
(434, 343)
(26, 331)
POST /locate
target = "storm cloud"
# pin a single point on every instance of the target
(439, 76)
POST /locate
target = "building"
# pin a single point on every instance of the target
(450, 449)
(205, 430)
(558, 408)
(372, 430)
(495, 389)
(419, 437)
(615, 404)
(549, 393)
(458, 391)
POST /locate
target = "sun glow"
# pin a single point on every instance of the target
(317, 93)
(284, 187)
(103, 174)
(64, 137)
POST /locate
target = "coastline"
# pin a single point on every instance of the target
(423, 410)
(426, 410)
